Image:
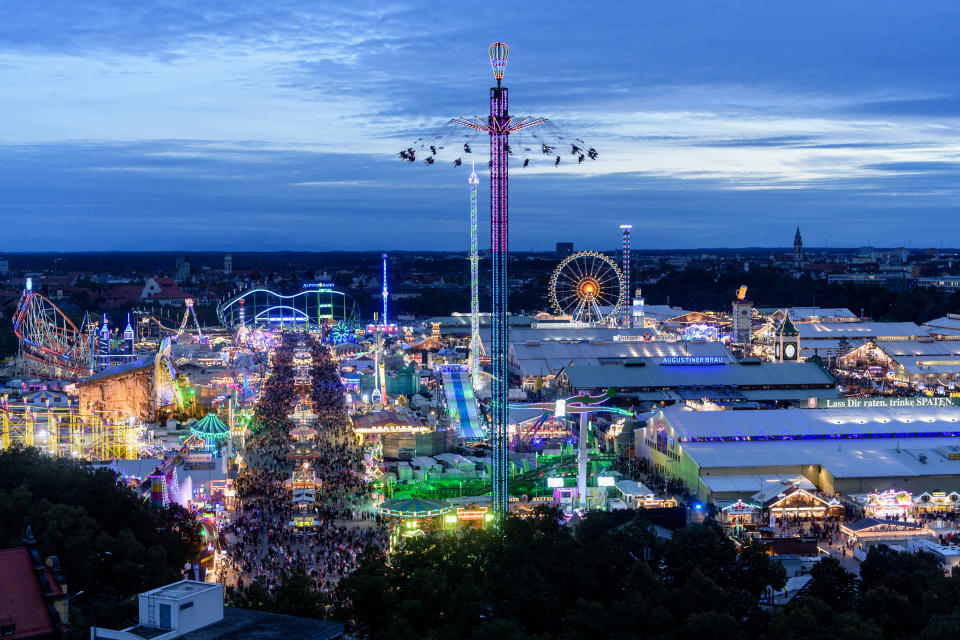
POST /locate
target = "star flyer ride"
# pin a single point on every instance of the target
(533, 138)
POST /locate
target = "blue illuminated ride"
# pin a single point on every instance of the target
(317, 306)
(342, 333)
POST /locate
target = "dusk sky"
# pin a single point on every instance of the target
(276, 125)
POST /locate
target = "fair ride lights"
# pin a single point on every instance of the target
(530, 139)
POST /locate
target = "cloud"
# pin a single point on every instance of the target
(223, 116)
(915, 167)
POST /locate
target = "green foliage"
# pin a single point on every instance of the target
(110, 542)
(832, 584)
(610, 577)
(293, 596)
(775, 287)
(613, 578)
(909, 574)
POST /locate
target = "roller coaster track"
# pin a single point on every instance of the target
(49, 338)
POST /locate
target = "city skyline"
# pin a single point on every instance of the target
(250, 129)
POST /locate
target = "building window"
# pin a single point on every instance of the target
(186, 605)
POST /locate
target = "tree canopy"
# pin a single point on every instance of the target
(111, 543)
(614, 578)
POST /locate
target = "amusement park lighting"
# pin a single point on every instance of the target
(450, 519)
(499, 52)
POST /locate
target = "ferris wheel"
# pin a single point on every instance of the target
(587, 286)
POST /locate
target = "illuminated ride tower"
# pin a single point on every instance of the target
(625, 310)
(533, 141)
(500, 125)
(474, 282)
(386, 291)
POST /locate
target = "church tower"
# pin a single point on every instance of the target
(797, 248)
(787, 344)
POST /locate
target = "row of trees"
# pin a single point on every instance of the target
(610, 578)
(776, 287)
(111, 543)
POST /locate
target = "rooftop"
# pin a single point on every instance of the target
(259, 625)
(21, 601)
(809, 424)
(546, 357)
(121, 369)
(854, 330)
(182, 589)
(845, 459)
(654, 376)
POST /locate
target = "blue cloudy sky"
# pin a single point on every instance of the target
(248, 125)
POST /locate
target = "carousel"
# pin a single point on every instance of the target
(211, 429)
(413, 517)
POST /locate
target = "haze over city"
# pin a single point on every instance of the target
(227, 125)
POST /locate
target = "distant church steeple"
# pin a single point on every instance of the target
(797, 248)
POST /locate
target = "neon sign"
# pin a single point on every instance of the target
(318, 285)
(688, 361)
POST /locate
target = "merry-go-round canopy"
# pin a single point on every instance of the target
(414, 507)
(210, 427)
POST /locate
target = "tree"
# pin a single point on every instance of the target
(702, 547)
(755, 569)
(832, 584)
(111, 543)
(908, 574)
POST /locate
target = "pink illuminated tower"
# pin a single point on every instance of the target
(543, 142)
(626, 313)
(499, 126)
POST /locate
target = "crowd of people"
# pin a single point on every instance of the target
(640, 470)
(261, 543)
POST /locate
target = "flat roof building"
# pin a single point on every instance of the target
(844, 451)
(694, 378)
(547, 358)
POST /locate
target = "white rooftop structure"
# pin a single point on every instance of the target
(172, 611)
(762, 486)
(880, 442)
(947, 326)
(566, 332)
(811, 424)
(662, 312)
(549, 357)
(895, 348)
(859, 331)
(813, 314)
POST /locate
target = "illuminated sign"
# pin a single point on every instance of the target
(688, 361)
(862, 403)
(605, 481)
(318, 285)
(555, 483)
(561, 408)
